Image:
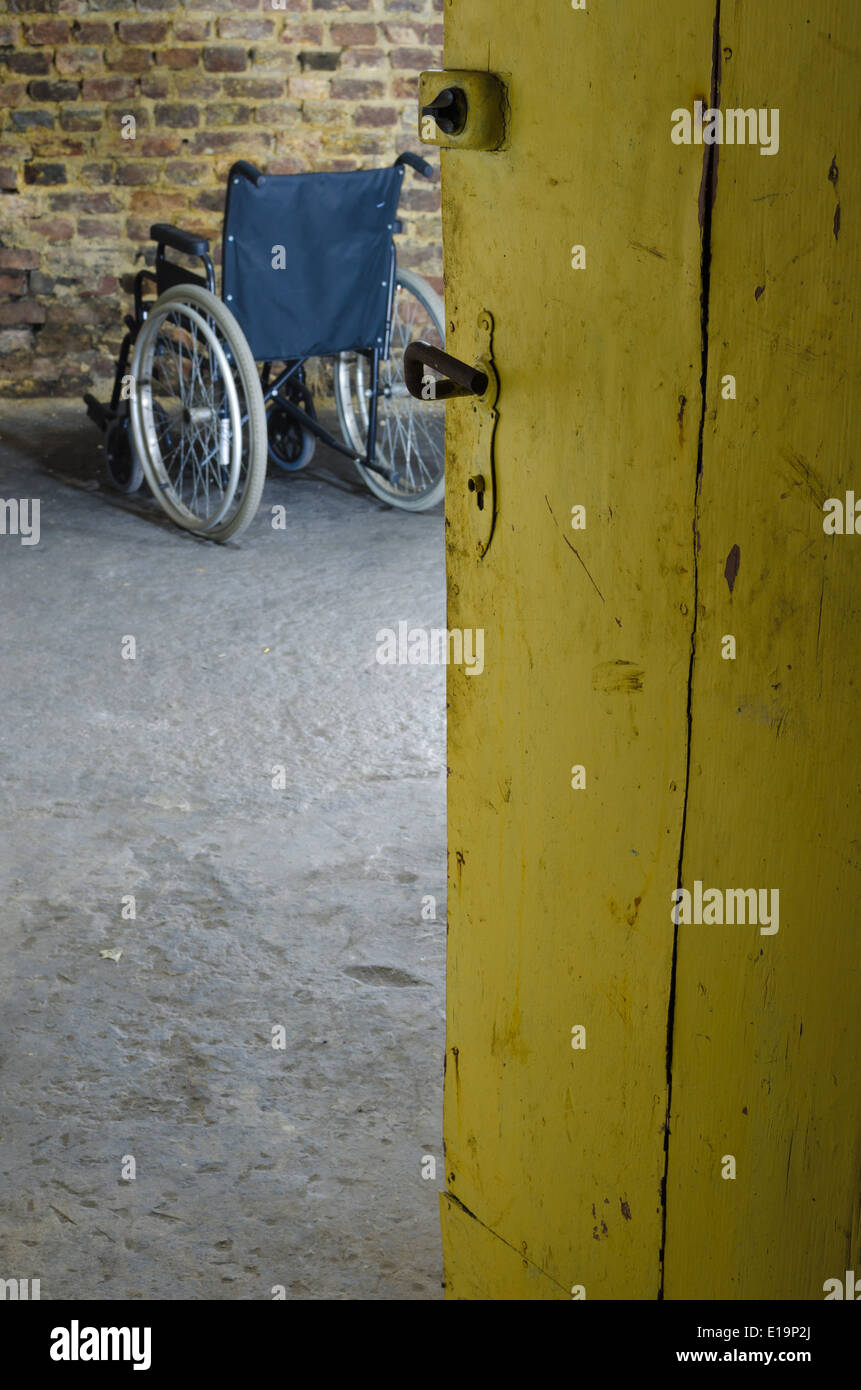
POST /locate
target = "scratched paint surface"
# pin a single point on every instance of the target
(558, 898)
(559, 903)
(766, 1040)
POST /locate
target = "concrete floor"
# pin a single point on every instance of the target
(256, 907)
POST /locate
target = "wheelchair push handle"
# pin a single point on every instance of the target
(242, 168)
(415, 161)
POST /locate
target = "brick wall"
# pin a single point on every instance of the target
(289, 84)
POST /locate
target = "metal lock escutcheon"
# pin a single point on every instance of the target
(480, 383)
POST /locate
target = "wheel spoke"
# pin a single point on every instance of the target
(410, 434)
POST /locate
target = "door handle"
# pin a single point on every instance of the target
(449, 110)
(476, 428)
(463, 110)
(459, 379)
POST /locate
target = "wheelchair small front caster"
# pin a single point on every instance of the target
(290, 447)
(121, 465)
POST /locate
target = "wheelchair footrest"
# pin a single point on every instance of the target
(314, 427)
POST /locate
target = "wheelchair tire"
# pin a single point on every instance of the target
(410, 433)
(290, 447)
(197, 414)
(122, 466)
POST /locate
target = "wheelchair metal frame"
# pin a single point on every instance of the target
(168, 274)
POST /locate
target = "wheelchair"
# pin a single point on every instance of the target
(309, 270)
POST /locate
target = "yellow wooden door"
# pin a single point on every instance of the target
(608, 754)
(766, 1043)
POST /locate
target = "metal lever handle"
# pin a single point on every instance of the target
(449, 110)
(459, 378)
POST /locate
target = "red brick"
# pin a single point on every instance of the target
(208, 141)
(406, 87)
(404, 33)
(44, 173)
(151, 31)
(363, 58)
(71, 61)
(349, 35)
(82, 118)
(178, 57)
(108, 284)
(158, 146)
(21, 311)
(355, 89)
(33, 64)
(332, 114)
(137, 229)
(109, 88)
(33, 120)
(127, 60)
(301, 33)
(277, 113)
(50, 31)
(97, 173)
(228, 113)
(245, 28)
(12, 93)
(96, 228)
(138, 172)
(144, 200)
(82, 202)
(15, 340)
(93, 31)
(183, 117)
(190, 30)
(13, 284)
(376, 115)
(52, 147)
(289, 165)
(309, 88)
(186, 171)
(415, 59)
(8, 178)
(154, 85)
(261, 87)
(43, 90)
(194, 86)
(211, 201)
(225, 59)
(13, 259)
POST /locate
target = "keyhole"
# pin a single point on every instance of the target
(476, 485)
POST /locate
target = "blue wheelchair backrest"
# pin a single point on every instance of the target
(308, 260)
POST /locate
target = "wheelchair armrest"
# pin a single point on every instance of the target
(177, 240)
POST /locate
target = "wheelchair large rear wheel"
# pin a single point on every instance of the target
(410, 433)
(197, 414)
